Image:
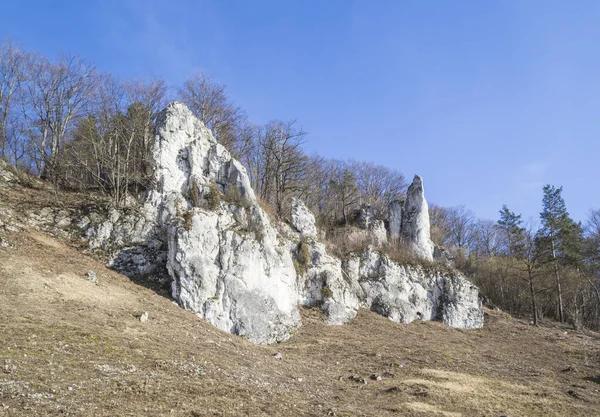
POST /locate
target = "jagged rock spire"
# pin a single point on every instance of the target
(415, 221)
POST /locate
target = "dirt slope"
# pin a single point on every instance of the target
(69, 347)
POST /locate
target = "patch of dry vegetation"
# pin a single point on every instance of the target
(345, 240)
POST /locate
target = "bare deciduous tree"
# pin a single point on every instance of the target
(453, 227)
(12, 74)
(486, 238)
(145, 99)
(113, 145)
(460, 226)
(209, 102)
(378, 185)
(57, 93)
(283, 160)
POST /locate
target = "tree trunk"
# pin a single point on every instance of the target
(561, 316)
(533, 301)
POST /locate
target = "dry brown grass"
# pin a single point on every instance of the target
(59, 331)
(345, 240)
(62, 331)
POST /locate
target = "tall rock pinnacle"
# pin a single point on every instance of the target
(415, 221)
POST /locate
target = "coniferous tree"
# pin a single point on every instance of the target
(557, 229)
(511, 226)
(531, 261)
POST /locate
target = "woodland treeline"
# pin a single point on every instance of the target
(79, 128)
(71, 124)
(548, 267)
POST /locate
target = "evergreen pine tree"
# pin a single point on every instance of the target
(557, 236)
(511, 225)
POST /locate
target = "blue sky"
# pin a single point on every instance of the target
(487, 100)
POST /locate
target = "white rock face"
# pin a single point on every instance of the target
(302, 219)
(371, 280)
(228, 265)
(405, 293)
(132, 238)
(241, 281)
(324, 285)
(118, 230)
(378, 233)
(187, 156)
(395, 220)
(415, 221)
(401, 293)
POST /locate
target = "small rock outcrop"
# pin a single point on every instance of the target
(415, 229)
(365, 219)
(302, 219)
(373, 281)
(402, 293)
(6, 176)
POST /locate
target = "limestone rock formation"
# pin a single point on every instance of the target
(302, 219)
(370, 228)
(395, 220)
(225, 259)
(323, 284)
(365, 217)
(415, 221)
(373, 281)
(402, 293)
(405, 293)
(132, 238)
(188, 160)
(229, 264)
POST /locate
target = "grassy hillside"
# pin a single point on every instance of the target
(70, 347)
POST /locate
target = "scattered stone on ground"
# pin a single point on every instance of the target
(91, 277)
(8, 367)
